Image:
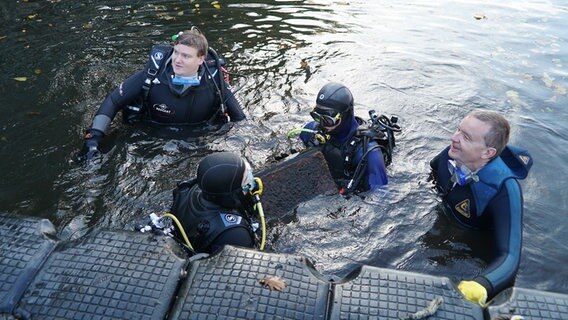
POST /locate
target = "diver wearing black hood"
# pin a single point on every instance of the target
(215, 208)
(341, 145)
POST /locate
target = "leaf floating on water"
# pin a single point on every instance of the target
(2, 37)
(38, 71)
(304, 64)
(479, 16)
(87, 26)
(274, 283)
(21, 79)
(548, 80)
(559, 89)
(32, 16)
(216, 4)
(165, 16)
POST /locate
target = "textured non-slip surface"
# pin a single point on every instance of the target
(117, 274)
(106, 275)
(378, 293)
(530, 304)
(227, 286)
(23, 248)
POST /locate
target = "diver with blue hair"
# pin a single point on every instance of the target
(356, 155)
(477, 177)
(181, 84)
(220, 206)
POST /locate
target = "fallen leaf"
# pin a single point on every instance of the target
(274, 283)
(21, 79)
(479, 16)
(216, 4)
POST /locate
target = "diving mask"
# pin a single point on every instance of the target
(326, 118)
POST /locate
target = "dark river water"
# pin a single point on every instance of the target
(427, 62)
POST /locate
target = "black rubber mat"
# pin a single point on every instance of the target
(530, 304)
(23, 248)
(106, 275)
(227, 286)
(390, 294)
(294, 181)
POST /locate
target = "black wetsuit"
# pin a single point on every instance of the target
(493, 203)
(208, 225)
(167, 103)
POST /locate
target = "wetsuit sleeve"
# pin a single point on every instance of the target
(126, 92)
(506, 215)
(307, 137)
(233, 105)
(376, 171)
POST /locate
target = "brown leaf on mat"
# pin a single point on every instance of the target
(274, 283)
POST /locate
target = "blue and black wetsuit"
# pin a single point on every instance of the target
(493, 203)
(208, 225)
(334, 150)
(167, 103)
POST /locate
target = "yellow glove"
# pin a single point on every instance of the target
(474, 292)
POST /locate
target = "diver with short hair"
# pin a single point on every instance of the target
(477, 176)
(182, 84)
(355, 155)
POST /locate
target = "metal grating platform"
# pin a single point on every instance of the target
(530, 304)
(23, 249)
(106, 275)
(227, 286)
(390, 294)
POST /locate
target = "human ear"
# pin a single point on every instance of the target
(489, 153)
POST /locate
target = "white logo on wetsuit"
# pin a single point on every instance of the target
(162, 108)
(230, 219)
(158, 56)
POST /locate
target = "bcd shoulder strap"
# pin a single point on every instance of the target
(158, 55)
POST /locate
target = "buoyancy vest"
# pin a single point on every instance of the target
(202, 220)
(514, 162)
(341, 157)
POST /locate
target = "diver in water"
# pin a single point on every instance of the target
(355, 155)
(180, 85)
(477, 179)
(218, 207)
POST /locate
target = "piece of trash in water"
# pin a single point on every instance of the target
(426, 312)
(274, 283)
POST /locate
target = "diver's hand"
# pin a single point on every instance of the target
(90, 148)
(474, 292)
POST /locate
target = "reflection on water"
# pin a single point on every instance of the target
(429, 64)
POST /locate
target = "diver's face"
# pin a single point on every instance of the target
(468, 143)
(185, 60)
